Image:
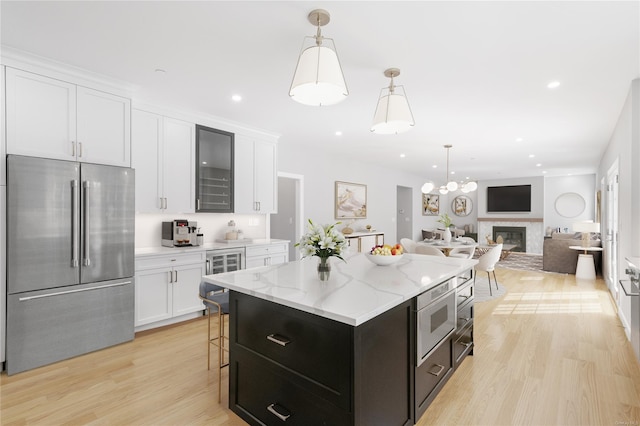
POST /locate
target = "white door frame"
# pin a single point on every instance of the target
(299, 182)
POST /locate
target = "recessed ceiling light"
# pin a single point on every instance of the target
(538, 165)
(518, 139)
(338, 133)
(453, 173)
(553, 84)
(531, 155)
(236, 98)
(544, 171)
(402, 155)
(435, 166)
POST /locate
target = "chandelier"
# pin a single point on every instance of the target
(318, 79)
(451, 185)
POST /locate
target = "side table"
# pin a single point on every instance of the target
(585, 269)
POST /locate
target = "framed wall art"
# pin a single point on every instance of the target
(350, 200)
(430, 204)
(462, 205)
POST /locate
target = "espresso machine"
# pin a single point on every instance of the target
(179, 233)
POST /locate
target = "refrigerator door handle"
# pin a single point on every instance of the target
(86, 261)
(74, 224)
(60, 293)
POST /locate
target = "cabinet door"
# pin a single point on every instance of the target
(177, 166)
(265, 176)
(153, 295)
(277, 259)
(41, 116)
(146, 129)
(244, 201)
(104, 128)
(186, 288)
(214, 170)
(255, 261)
(3, 145)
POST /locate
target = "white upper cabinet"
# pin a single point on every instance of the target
(163, 156)
(103, 127)
(255, 175)
(51, 118)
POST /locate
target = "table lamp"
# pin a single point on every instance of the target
(586, 228)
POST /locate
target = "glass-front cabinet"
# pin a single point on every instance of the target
(214, 170)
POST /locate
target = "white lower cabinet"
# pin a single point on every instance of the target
(267, 254)
(167, 287)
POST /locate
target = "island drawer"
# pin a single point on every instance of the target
(464, 316)
(266, 250)
(436, 368)
(463, 344)
(273, 396)
(314, 347)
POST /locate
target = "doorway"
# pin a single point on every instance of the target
(404, 204)
(610, 241)
(288, 223)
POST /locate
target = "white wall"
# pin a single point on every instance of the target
(624, 147)
(583, 185)
(322, 171)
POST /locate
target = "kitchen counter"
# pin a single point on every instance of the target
(357, 290)
(152, 251)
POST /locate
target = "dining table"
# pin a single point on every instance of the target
(446, 247)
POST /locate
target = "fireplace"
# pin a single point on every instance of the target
(516, 235)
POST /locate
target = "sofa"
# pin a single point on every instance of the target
(558, 257)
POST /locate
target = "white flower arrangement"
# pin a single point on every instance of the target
(322, 241)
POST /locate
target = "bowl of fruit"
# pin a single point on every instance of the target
(386, 254)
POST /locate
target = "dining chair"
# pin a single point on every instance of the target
(408, 245)
(487, 263)
(216, 300)
(428, 250)
(464, 252)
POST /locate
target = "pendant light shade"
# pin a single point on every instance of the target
(318, 79)
(393, 114)
(427, 187)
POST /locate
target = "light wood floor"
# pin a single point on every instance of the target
(549, 352)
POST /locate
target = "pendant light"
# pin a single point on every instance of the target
(318, 79)
(451, 185)
(393, 114)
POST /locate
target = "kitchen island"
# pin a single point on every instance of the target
(337, 352)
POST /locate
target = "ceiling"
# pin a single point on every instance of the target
(475, 73)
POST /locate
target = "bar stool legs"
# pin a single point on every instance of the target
(221, 342)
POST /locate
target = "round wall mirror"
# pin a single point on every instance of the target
(462, 205)
(570, 204)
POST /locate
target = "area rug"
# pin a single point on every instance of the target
(482, 289)
(521, 262)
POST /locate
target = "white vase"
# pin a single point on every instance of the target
(447, 235)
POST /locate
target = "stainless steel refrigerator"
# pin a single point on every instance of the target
(70, 259)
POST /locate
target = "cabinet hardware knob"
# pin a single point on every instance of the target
(276, 338)
(272, 410)
(441, 369)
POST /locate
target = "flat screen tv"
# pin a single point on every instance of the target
(514, 198)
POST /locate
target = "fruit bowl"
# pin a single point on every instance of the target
(383, 260)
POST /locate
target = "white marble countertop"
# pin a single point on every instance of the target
(356, 291)
(152, 251)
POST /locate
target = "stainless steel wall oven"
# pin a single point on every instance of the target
(435, 318)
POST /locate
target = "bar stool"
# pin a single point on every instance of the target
(216, 299)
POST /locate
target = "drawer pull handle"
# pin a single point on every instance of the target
(466, 319)
(272, 410)
(439, 371)
(466, 344)
(276, 338)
